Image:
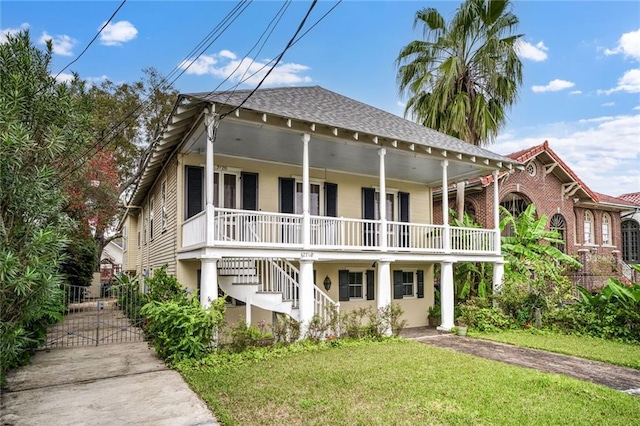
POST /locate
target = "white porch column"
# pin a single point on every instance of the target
(446, 235)
(496, 213)
(208, 281)
(446, 296)
(211, 121)
(305, 295)
(498, 275)
(383, 286)
(247, 313)
(382, 201)
(306, 216)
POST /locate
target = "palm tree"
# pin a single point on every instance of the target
(463, 76)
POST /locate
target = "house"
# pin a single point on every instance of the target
(274, 200)
(588, 222)
(111, 260)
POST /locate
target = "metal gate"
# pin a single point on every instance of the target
(97, 316)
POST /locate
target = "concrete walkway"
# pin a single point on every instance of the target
(118, 384)
(620, 378)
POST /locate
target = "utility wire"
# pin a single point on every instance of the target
(92, 40)
(109, 135)
(287, 47)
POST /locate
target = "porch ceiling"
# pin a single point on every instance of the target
(263, 142)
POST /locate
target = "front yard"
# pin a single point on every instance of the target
(398, 382)
(612, 352)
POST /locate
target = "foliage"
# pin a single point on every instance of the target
(393, 382)
(324, 327)
(604, 350)
(533, 274)
(484, 319)
(285, 329)
(181, 330)
(243, 336)
(163, 288)
(41, 121)
(376, 323)
(464, 75)
(78, 264)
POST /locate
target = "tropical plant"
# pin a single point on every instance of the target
(162, 287)
(471, 279)
(41, 121)
(463, 76)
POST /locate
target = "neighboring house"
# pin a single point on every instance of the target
(275, 203)
(111, 260)
(588, 222)
(631, 229)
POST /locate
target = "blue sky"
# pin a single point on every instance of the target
(581, 59)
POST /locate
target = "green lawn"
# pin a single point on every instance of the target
(625, 354)
(401, 382)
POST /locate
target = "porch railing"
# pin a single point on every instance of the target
(242, 228)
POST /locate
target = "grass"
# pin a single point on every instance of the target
(400, 382)
(612, 352)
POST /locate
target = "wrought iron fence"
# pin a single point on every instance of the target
(98, 315)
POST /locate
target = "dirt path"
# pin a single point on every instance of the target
(620, 378)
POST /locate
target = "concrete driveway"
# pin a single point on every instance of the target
(118, 384)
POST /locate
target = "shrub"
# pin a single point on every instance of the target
(180, 330)
(162, 287)
(353, 324)
(285, 329)
(243, 336)
(130, 298)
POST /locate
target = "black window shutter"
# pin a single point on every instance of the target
(420, 284)
(343, 281)
(398, 287)
(249, 191)
(368, 203)
(198, 280)
(331, 199)
(403, 198)
(287, 195)
(371, 288)
(195, 190)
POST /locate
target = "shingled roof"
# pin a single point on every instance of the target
(321, 106)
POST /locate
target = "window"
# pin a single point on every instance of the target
(531, 168)
(606, 229)
(588, 227)
(408, 284)
(151, 218)
(630, 241)
(163, 205)
(356, 284)
(125, 236)
(314, 198)
(138, 239)
(515, 204)
(194, 190)
(558, 224)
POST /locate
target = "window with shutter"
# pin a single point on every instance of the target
(249, 191)
(420, 278)
(331, 199)
(194, 190)
(371, 289)
(398, 287)
(343, 283)
(287, 195)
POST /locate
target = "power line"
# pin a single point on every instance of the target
(92, 40)
(287, 47)
(102, 142)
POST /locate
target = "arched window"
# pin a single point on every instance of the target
(558, 224)
(606, 229)
(588, 227)
(515, 204)
(630, 239)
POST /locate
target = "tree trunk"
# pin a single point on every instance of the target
(460, 186)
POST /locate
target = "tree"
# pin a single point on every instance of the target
(462, 78)
(41, 121)
(126, 119)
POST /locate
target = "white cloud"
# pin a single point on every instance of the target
(401, 104)
(613, 171)
(64, 77)
(553, 86)
(11, 31)
(62, 44)
(636, 108)
(226, 63)
(628, 45)
(535, 52)
(629, 82)
(116, 33)
(608, 104)
(576, 92)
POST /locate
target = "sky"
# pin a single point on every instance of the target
(581, 61)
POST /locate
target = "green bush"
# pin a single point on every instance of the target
(162, 287)
(483, 318)
(180, 330)
(243, 336)
(130, 298)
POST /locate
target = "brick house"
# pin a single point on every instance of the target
(589, 222)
